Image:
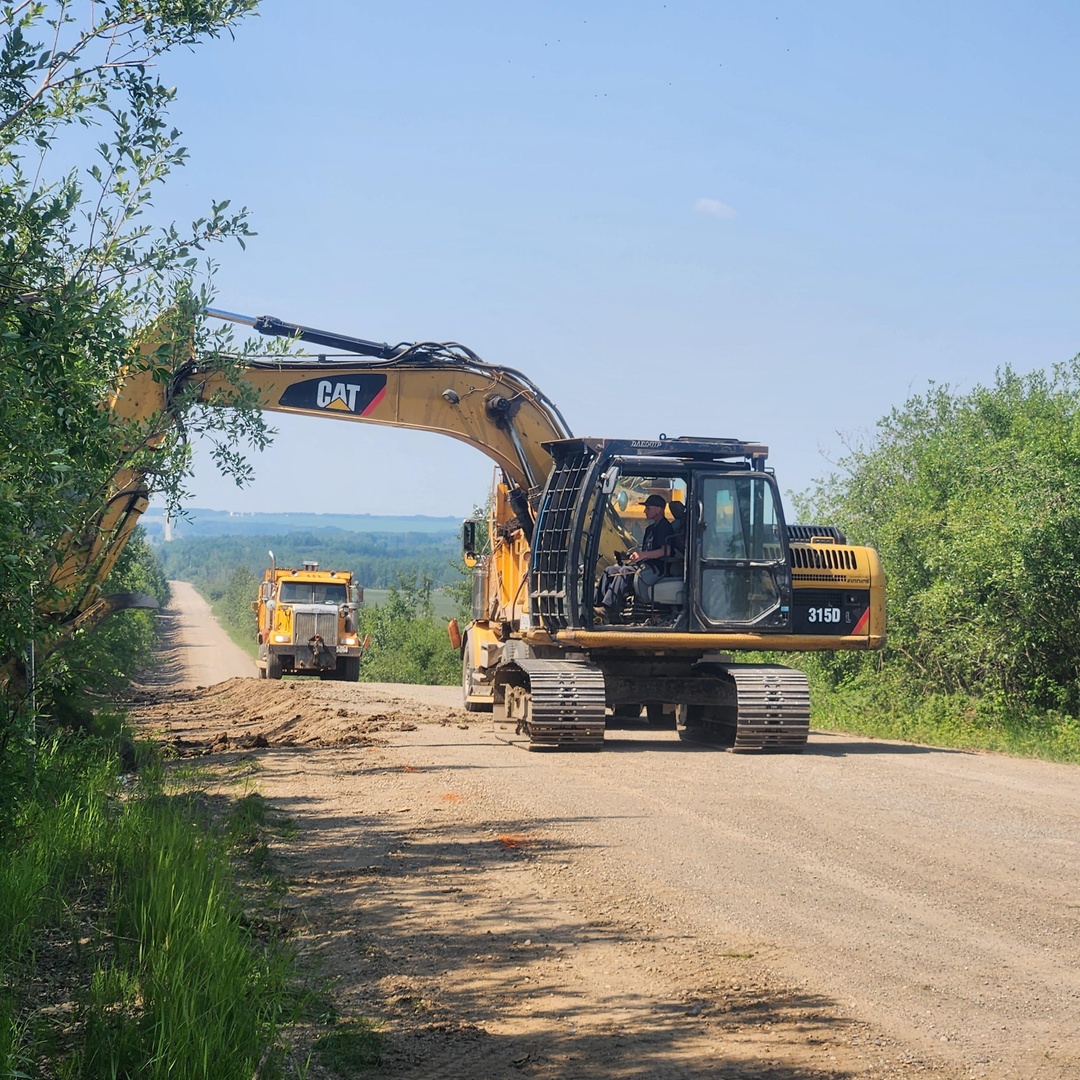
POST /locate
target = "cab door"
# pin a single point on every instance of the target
(743, 578)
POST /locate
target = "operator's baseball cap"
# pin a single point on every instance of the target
(655, 500)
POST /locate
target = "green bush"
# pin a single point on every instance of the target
(235, 608)
(973, 502)
(82, 275)
(408, 643)
(105, 656)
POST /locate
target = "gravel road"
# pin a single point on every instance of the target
(201, 652)
(863, 909)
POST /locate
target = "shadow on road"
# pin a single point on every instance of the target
(411, 923)
(840, 744)
(168, 668)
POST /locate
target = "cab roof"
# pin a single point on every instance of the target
(688, 448)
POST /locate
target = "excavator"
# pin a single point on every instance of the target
(539, 653)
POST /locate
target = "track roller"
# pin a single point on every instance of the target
(761, 707)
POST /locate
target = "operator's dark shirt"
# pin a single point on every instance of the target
(657, 535)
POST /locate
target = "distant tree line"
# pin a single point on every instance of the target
(204, 522)
(376, 558)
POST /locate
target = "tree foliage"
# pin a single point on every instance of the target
(408, 643)
(973, 501)
(236, 609)
(84, 269)
(90, 663)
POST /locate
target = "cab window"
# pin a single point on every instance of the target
(740, 520)
(619, 514)
(307, 592)
(740, 525)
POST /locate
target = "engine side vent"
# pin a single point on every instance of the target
(822, 557)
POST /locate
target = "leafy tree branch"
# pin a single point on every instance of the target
(85, 274)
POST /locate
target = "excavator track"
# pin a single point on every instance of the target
(558, 703)
(769, 710)
(774, 707)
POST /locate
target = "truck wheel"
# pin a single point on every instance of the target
(349, 669)
(273, 666)
(467, 682)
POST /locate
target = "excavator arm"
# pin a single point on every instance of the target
(445, 388)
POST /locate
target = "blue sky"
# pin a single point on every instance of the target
(767, 221)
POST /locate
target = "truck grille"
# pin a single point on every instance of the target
(306, 624)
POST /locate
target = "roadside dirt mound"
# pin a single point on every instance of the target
(249, 713)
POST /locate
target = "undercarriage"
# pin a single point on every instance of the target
(565, 703)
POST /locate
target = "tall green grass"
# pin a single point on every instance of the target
(124, 950)
(885, 707)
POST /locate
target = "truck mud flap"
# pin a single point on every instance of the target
(550, 703)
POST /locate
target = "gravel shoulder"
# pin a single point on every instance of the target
(865, 909)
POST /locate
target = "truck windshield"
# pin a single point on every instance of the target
(314, 592)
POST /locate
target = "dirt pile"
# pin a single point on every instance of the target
(247, 714)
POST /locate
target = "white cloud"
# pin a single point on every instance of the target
(714, 208)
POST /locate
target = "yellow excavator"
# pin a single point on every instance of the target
(540, 652)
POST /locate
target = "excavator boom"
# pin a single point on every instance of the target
(445, 388)
(427, 386)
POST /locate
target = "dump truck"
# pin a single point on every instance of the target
(308, 622)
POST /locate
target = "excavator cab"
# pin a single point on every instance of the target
(727, 566)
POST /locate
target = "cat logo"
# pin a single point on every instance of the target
(337, 395)
(351, 395)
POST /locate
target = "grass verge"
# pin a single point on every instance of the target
(244, 636)
(141, 926)
(953, 721)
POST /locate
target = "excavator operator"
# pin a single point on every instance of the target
(647, 563)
